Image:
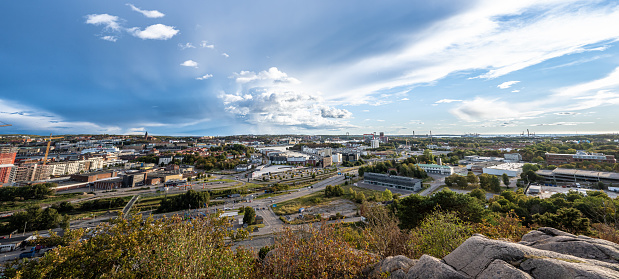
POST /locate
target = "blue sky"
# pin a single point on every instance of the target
(309, 67)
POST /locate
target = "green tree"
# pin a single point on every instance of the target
(479, 194)
(139, 248)
(505, 179)
(249, 217)
(472, 178)
(387, 195)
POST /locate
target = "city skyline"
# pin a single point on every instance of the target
(194, 68)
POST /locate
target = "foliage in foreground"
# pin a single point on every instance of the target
(314, 252)
(164, 248)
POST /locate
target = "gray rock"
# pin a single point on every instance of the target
(503, 270)
(580, 246)
(391, 264)
(429, 267)
(559, 269)
(478, 252)
(398, 274)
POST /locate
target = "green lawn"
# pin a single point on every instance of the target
(17, 205)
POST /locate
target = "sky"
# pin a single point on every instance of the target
(214, 68)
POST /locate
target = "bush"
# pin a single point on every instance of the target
(439, 234)
(315, 252)
(137, 248)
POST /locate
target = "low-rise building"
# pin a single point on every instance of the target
(580, 156)
(574, 175)
(512, 157)
(94, 176)
(511, 169)
(394, 181)
(437, 169)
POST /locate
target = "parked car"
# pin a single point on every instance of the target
(29, 254)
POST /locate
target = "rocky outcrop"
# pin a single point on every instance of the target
(543, 253)
(580, 246)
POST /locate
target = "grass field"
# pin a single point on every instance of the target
(17, 205)
(317, 198)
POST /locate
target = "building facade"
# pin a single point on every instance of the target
(580, 156)
(7, 158)
(437, 169)
(393, 181)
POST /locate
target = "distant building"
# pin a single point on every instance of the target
(7, 158)
(326, 161)
(350, 157)
(580, 156)
(535, 189)
(242, 167)
(92, 177)
(165, 160)
(394, 181)
(108, 183)
(437, 169)
(374, 143)
(573, 175)
(511, 169)
(513, 157)
(133, 179)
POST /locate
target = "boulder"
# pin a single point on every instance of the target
(390, 265)
(551, 239)
(478, 252)
(565, 269)
(429, 267)
(503, 270)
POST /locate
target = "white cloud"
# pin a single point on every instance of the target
(154, 32)
(404, 99)
(26, 118)
(507, 84)
(515, 91)
(110, 38)
(566, 113)
(205, 44)
(149, 14)
(110, 22)
(571, 98)
(271, 98)
(225, 55)
(446, 101)
(207, 76)
(273, 74)
(186, 46)
(562, 124)
(498, 37)
(190, 63)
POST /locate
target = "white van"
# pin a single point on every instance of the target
(7, 248)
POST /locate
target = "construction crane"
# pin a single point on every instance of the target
(2, 124)
(49, 142)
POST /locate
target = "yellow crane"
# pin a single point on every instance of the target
(49, 142)
(2, 124)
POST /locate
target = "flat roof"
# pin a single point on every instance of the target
(434, 166)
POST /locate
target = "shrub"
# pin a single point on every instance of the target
(439, 234)
(314, 252)
(137, 248)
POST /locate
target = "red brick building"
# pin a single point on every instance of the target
(92, 177)
(7, 158)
